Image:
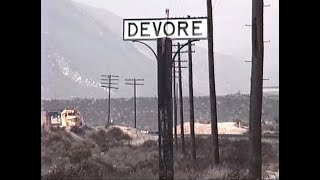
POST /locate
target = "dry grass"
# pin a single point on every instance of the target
(223, 172)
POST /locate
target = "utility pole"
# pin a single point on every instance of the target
(109, 86)
(134, 84)
(212, 87)
(181, 104)
(180, 89)
(175, 106)
(255, 149)
(164, 51)
(175, 88)
(193, 138)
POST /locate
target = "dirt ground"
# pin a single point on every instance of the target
(223, 128)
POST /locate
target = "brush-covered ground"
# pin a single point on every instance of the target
(100, 153)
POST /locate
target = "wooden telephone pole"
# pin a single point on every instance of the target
(193, 138)
(164, 57)
(212, 88)
(255, 153)
(175, 113)
(175, 88)
(134, 84)
(181, 104)
(109, 86)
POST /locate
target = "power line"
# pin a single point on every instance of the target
(134, 83)
(191, 105)
(106, 82)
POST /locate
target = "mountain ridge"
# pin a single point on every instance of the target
(80, 42)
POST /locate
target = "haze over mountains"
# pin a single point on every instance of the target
(77, 49)
(80, 42)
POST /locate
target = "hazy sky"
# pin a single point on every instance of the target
(231, 36)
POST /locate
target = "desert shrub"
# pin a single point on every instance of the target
(55, 147)
(268, 127)
(61, 173)
(234, 152)
(186, 174)
(150, 144)
(216, 173)
(79, 152)
(54, 129)
(231, 152)
(150, 163)
(143, 174)
(88, 143)
(86, 128)
(106, 155)
(184, 163)
(77, 130)
(105, 140)
(54, 137)
(59, 148)
(88, 169)
(122, 157)
(223, 172)
(128, 160)
(46, 160)
(99, 137)
(270, 153)
(95, 169)
(58, 130)
(117, 134)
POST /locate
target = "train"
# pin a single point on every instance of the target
(68, 117)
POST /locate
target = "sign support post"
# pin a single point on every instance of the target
(164, 49)
(164, 30)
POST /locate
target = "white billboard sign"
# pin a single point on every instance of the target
(174, 28)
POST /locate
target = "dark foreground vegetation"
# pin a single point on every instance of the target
(99, 154)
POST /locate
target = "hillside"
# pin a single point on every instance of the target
(77, 49)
